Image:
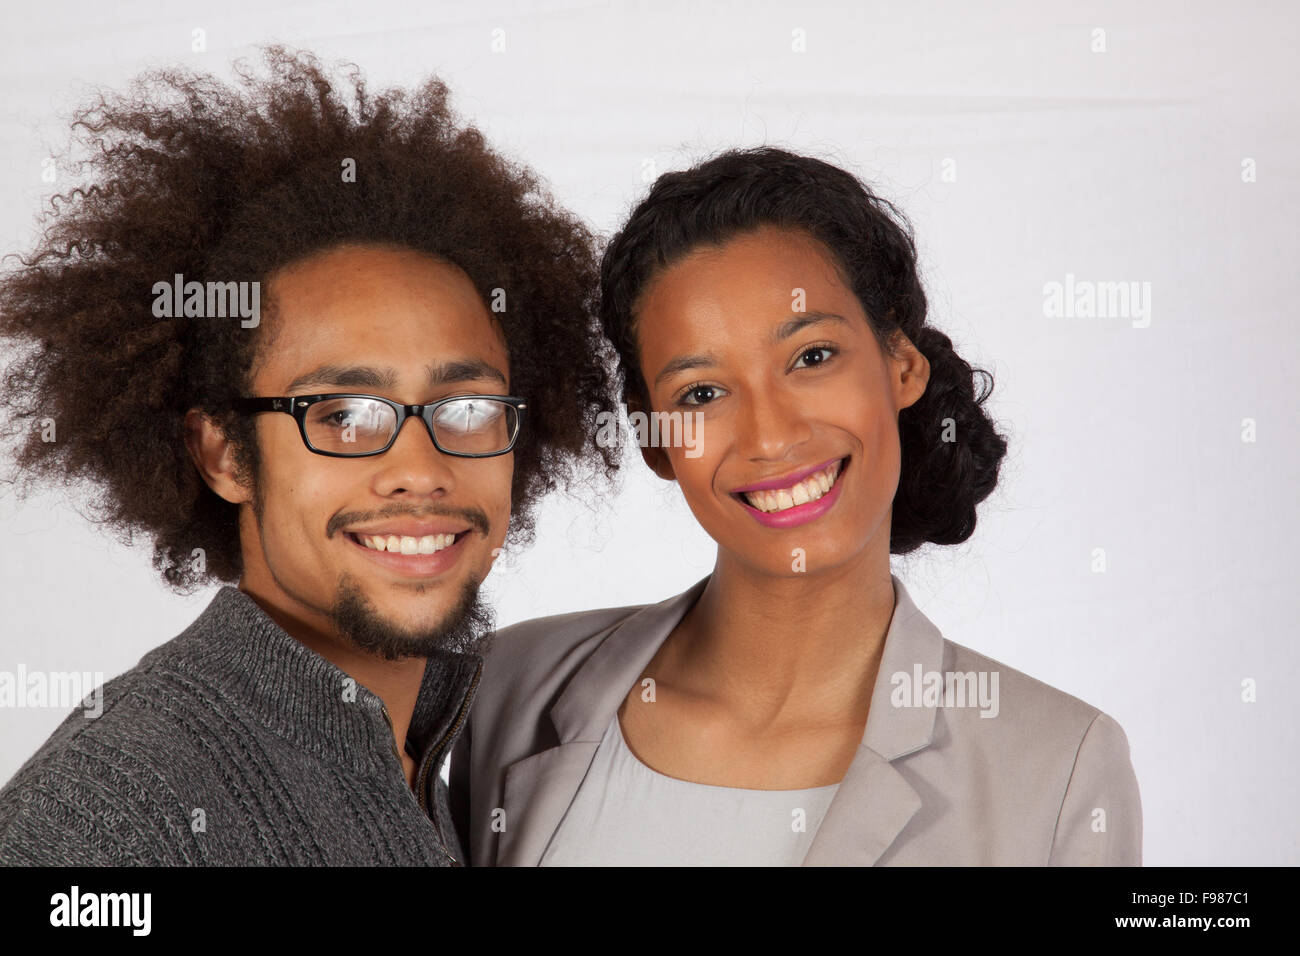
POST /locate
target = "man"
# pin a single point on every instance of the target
(269, 282)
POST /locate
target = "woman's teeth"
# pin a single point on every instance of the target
(405, 544)
(810, 489)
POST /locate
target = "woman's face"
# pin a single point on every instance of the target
(796, 452)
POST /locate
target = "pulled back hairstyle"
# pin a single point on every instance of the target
(221, 182)
(871, 244)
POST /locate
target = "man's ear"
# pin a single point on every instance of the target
(910, 371)
(214, 456)
(655, 457)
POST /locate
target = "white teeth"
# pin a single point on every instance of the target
(810, 489)
(406, 544)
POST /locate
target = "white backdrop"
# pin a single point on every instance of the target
(1108, 143)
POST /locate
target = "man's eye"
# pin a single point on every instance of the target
(699, 395)
(817, 355)
(338, 419)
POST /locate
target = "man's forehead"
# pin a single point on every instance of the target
(435, 374)
(354, 290)
(363, 337)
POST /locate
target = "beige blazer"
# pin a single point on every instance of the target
(1044, 779)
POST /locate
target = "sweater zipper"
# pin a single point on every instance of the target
(460, 719)
(392, 739)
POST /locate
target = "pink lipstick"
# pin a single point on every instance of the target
(798, 514)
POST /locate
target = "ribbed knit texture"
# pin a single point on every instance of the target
(239, 720)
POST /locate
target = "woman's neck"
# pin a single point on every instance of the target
(786, 650)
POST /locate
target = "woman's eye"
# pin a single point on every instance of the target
(699, 395)
(814, 356)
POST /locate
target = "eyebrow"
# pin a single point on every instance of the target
(802, 321)
(782, 332)
(684, 362)
(367, 376)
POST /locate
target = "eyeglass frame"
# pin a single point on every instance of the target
(299, 404)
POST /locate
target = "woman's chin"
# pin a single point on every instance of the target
(795, 562)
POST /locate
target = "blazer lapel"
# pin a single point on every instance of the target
(539, 789)
(874, 801)
(871, 807)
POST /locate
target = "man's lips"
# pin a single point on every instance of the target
(409, 562)
(405, 543)
(410, 528)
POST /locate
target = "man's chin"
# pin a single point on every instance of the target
(465, 628)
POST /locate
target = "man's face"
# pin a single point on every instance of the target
(405, 326)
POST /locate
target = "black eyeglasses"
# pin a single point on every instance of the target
(346, 425)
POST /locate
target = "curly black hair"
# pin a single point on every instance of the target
(186, 174)
(872, 245)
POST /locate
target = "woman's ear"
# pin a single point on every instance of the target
(909, 371)
(654, 456)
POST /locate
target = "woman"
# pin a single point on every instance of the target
(795, 707)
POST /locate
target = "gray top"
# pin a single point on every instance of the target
(235, 744)
(626, 814)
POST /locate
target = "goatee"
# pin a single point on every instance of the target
(465, 629)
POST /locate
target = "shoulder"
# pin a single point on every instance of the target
(1001, 702)
(102, 789)
(527, 655)
(1017, 697)
(1045, 741)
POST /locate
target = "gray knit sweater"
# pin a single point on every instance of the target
(235, 744)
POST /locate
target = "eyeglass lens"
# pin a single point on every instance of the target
(474, 426)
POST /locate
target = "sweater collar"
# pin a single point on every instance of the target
(236, 648)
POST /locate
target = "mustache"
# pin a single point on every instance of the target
(475, 517)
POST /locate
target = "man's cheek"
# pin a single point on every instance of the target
(502, 500)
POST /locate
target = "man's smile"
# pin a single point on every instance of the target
(412, 548)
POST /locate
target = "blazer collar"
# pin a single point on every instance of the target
(874, 801)
(588, 704)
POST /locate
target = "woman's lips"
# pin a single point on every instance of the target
(801, 513)
(414, 565)
(785, 481)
